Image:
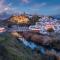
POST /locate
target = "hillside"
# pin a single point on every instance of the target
(11, 49)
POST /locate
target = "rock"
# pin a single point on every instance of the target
(37, 38)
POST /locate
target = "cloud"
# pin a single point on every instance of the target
(55, 10)
(3, 7)
(14, 11)
(39, 5)
(25, 1)
(57, 7)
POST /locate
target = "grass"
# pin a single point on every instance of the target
(16, 51)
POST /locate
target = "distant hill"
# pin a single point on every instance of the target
(57, 17)
(4, 16)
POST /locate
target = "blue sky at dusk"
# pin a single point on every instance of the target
(42, 7)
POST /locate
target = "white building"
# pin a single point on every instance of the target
(48, 23)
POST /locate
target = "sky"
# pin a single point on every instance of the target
(41, 7)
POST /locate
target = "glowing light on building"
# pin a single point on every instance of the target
(19, 19)
(2, 29)
(49, 26)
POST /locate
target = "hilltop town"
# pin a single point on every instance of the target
(38, 33)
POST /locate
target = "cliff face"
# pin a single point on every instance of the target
(38, 38)
(52, 40)
(19, 19)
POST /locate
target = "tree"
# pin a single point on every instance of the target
(50, 30)
(34, 19)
